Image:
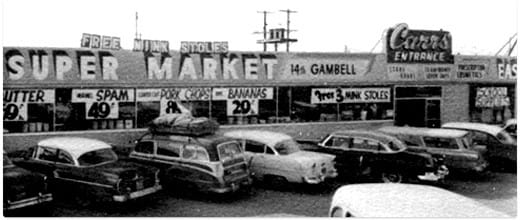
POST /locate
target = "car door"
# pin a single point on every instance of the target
(257, 160)
(44, 160)
(453, 155)
(364, 155)
(339, 146)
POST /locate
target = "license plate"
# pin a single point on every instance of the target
(139, 185)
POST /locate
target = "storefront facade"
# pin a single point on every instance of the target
(62, 90)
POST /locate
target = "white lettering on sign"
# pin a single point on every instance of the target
(349, 95)
(242, 107)
(471, 71)
(402, 72)
(490, 97)
(242, 93)
(102, 110)
(102, 95)
(506, 68)
(63, 65)
(172, 107)
(204, 47)
(16, 101)
(15, 67)
(162, 72)
(97, 42)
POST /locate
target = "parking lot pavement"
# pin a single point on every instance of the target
(496, 190)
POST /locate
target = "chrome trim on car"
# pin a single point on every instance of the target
(85, 182)
(137, 194)
(29, 201)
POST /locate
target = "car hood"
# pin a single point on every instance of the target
(308, 157)
(20, 183)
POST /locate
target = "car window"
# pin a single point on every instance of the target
(479, 137)
(343, 142)
(255, 147)
(505, 138)
(169, 149)
(97, 157)
(365, 144)
(64, 157)
(228, 151)
(7, 161)
(287, 147)
(446, 143)
(145, 147)
(193, 152)
(410, 140)
(268, 150)
(47, 154)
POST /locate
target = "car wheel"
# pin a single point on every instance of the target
(278, 182)
(391, 177)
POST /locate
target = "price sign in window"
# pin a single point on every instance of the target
(102, 103)
(238, 107)
(102, 110)
(15, 111)
(16, 102)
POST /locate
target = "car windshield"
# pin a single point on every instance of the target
(467, 141)
(394, 146)
(97, 157)
(286, 147)
(228, 151)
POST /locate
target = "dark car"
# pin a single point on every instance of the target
(209, 163)
(23, 188)
(89, 170)
(362, 153)
(501, 147)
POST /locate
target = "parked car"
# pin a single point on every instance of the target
(501, 147)
(510, 127)
(375, 200)
(23, 188)
(209, 163)
(89, 170)
(453, 145)
(277, 158)
(375, 154)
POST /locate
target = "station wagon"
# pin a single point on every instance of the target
(209, 163)
(361, 153)
(453, 145)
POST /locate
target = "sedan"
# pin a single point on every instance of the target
(23, 188)
(89, 170)
(374, 154)
(276, 157)
(375, 200)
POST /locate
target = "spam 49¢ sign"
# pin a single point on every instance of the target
(242, 101)
(16, 101)
(102, 103)
(349, 95)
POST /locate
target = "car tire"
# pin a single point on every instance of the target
(278, 182)
(391, 177)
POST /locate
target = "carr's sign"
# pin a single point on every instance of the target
(418, 46)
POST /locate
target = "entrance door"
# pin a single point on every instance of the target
(410, 112)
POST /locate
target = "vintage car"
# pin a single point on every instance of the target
(371, 153)
(89, 170)
(510, 127)
(23, 188)
(209, 163)
(453, 145)
(501, 147)
(376, 200)
(277, 158)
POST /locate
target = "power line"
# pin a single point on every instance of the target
(288, 11)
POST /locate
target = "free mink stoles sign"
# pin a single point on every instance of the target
(417, 46)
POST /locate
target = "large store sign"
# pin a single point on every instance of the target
(242, 101)
(169, 98)
(506, 68)
(100, 42)
(312, 69)
(349, 95)
(154, 46)
(490, 97)
(100, 66)
(404, 45)
(16, 101)
(204, 47)
(102, 103)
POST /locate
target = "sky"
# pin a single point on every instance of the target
(476, 26)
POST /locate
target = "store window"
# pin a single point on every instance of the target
(28, 110)
(492, 104)
(243, 105)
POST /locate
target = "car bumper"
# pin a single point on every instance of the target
(321, 178)
(232, 187)
(435, 176)
(41, 198)
(137, 194)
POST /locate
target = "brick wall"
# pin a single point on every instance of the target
(455, 103)
(125, 137)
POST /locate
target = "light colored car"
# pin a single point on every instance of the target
(375, 200)
(276, 157)
(510, 127)
(453, 145)
(501, 147)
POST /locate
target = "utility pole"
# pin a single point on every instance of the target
(288, 22)
(136, 35)
(265, 28)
